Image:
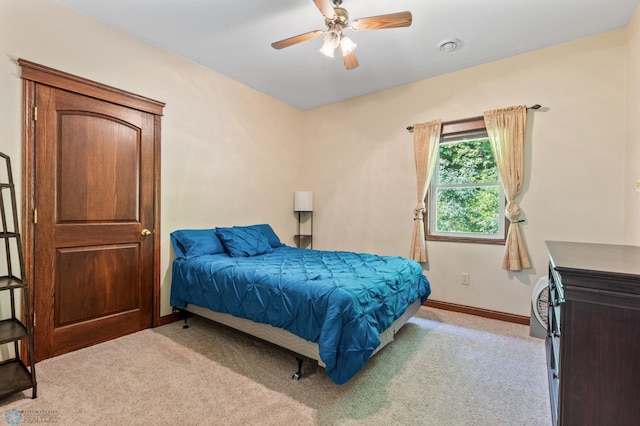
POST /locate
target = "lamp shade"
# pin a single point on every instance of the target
(303, 201)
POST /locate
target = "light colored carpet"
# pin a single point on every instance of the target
(444, 368)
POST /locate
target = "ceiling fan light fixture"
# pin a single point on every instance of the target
(331, 42)
(332, 38)
(347, 45)
(327, 50)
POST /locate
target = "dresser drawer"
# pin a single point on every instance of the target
(553, 378)
(556, 289)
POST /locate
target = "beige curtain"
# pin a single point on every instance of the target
(506, 128)
(426, 137)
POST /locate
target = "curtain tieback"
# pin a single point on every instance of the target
(512, 211)
(419, 211)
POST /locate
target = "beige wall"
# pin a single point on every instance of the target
(232, 155)
(229, 154)
(360, 164)
(632, 154)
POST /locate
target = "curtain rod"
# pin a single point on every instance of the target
(536, 106)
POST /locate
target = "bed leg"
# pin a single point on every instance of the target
(298, 374)
(186, 323)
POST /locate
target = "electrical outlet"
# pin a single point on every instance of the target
(465, 278)
(638, 186)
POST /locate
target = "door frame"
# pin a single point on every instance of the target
(33, 74)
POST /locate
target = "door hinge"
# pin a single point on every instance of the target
(35, 215)
(34, 319)
(35, 113)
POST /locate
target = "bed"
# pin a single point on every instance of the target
(335, 307)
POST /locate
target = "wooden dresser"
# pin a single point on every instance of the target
(593, 342)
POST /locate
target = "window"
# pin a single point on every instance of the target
(466, 201)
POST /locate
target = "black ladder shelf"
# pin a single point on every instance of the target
(16, 375)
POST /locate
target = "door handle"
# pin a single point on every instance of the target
(145, 232)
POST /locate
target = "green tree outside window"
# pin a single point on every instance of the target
(466, 192)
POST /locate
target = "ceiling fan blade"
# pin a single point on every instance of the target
(350, 61)
(392, 20)
(326, 8)
(296, 39)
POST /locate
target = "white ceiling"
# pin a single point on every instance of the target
(233, 37)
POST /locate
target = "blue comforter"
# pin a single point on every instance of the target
(340, 300)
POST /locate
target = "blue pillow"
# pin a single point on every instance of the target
(268, 232)
(189, 243)
(243, 241)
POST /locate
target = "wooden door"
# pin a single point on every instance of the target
(94, 201)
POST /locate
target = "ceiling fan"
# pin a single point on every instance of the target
(337, 19)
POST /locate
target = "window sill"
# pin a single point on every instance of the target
(497, 242)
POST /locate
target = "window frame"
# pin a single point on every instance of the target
(452, 129)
